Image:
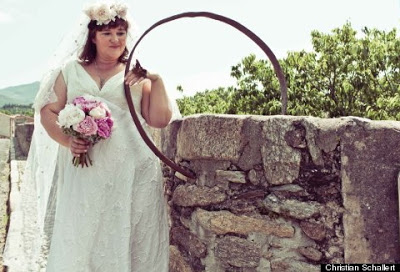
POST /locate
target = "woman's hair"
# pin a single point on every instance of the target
(89, 51)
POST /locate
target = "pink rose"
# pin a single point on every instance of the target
(110, 122)
(86, 103)
(87, 127)
(78, 100)
(104, 127)
(87, 106)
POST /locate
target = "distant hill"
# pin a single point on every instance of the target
(21, 94)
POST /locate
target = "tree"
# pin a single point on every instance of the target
(209, 101)
(12, 109)
(343, 75)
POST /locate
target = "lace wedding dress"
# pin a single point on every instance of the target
(110, 216)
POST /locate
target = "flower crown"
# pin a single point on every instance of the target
(104, 13)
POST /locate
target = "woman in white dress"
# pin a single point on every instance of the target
(110, 216)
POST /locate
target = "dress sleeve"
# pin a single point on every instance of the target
(66, 69)
(46, 94)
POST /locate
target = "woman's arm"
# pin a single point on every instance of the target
(155, 104)
(49, 115)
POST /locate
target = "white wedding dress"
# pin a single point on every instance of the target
(110, 216)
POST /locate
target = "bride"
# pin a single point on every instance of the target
(110, 216)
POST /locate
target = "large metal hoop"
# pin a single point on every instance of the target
(233, 23)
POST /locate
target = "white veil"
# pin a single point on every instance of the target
(39, 185)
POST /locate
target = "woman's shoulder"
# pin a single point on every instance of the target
(69, 69)
(70, 64)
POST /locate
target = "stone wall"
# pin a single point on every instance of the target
(4, 192)
(23, 136)
(282, 193)
(5, 125)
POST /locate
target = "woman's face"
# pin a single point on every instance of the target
(110, 43)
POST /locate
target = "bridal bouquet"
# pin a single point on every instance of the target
(88, 119)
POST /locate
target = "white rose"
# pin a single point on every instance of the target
(89, 12)
(120, 9)
(104, 14)
(70, 115)
(98, 113)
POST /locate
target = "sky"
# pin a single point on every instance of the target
(196, 53)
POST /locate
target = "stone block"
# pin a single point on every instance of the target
(370, 167)
(310, 253)
(237, 252)
(168, 137)
(253, 178)
(189, 241)
(192, 195)
(230, 176)
(252, 139)
(5, 125)
(290, 265)
(223, 222)
(215, 137)
(289, 190)
(292, 207)
(322, 136)
(23, 134)
(281, 161)
(176, 261)
(314, 231)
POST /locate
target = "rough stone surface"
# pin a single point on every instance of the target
(290, 265)
(4, 191)
(240, 206)
(190, 242)
(314, 231)
(23, 134)
(176, 261)
(192, 195)
(252, 139)
(311, 253)
(167, 139)
(205, 171)
(289, 190)
(292, 208)
(181, 177)
(333, 252)
(238, 252)
(5, 125)
(322, 136)
(253, 177)
(320, 176)
(210, 137)
(230, 176)
(281, 162)
(370, 165)
(296, 137)
(223, 222)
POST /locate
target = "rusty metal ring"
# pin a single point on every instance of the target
(233, 23)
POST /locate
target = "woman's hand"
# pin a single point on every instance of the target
(155, 104)
(78, 146)
(132, 78)
(138, 74)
